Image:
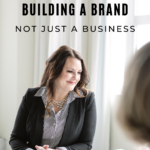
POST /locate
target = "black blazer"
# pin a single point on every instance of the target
(79, 128)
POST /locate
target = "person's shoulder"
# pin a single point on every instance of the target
(90, 99)
(90, 95)
(29, 97)
(32, 91)
(87, 93)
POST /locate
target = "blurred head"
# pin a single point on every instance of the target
(134, 108)
(65, 70)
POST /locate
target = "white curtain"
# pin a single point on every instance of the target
(119, 48)
(41, 43)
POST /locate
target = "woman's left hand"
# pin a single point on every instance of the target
(45, 147)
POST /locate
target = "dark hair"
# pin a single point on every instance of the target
(53, 69)
(134, 108)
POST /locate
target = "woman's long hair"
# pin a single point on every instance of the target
(53, 69)
(134, 108)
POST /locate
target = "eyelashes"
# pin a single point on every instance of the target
(69, 71)
(72, 72)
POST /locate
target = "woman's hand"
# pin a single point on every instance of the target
(45, 147)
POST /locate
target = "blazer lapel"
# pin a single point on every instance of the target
(69, 124)
(39, 121)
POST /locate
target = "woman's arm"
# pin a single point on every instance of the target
(87, 134)
(18, 137)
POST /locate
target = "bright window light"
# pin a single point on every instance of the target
(142, 35)
(142, 7)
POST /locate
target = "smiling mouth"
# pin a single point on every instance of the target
(72, 82)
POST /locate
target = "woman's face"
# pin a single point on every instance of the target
(70, 75)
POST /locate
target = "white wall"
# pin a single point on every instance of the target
(16, 63)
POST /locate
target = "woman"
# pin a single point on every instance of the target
(134, 108)
(61, 113)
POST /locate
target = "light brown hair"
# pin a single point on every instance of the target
(134, 107)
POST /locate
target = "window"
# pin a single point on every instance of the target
(142, 22)
(124, 45)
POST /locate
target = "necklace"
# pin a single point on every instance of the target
(61, 103)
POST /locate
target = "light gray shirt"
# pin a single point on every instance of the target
(55, 123)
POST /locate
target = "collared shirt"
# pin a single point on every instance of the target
(55, 123)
